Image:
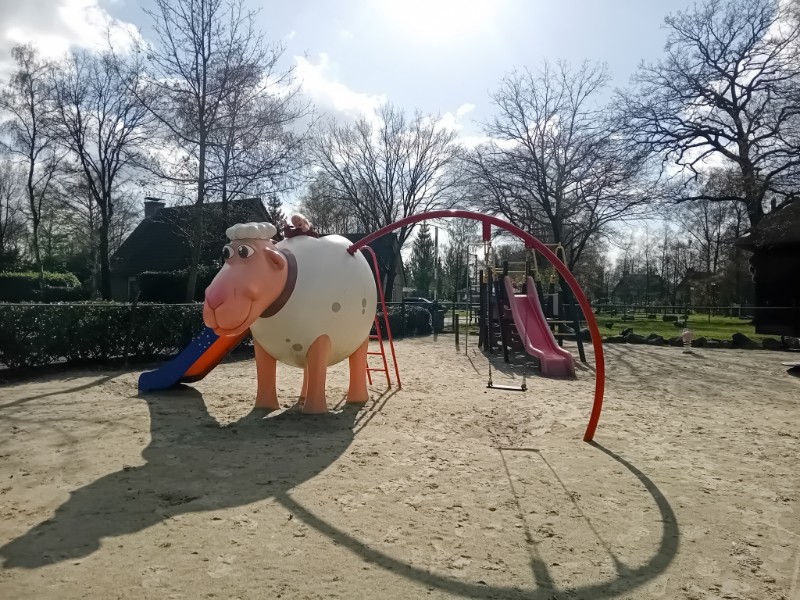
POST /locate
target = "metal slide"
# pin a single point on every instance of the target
(535, 333)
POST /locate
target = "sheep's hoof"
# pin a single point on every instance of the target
(266, 405)
(314, 407)
(358, 397)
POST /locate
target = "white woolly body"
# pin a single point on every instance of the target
(335, 295)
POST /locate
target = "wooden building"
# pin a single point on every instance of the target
(162, 241)
(775, 266)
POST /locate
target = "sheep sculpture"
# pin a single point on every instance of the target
(307, 302)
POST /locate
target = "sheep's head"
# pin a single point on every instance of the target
(254, 275)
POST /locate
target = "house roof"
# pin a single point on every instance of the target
(781, 227)
(161, 242)
(693, 277)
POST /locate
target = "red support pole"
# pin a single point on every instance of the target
(534, 243)
(487, 231)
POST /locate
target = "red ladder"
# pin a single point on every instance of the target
(378, 335)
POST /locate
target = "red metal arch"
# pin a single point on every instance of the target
(530, 242)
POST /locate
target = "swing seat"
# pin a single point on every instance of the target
(509, 388)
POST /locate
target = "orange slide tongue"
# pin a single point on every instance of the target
(193, 363)
(213, 356)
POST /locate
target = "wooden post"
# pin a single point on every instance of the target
(501, 302)
(481, 311)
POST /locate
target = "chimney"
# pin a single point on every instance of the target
(152, 206)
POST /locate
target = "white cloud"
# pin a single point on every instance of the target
(291, 35)
(464, 109)
(320, 83)
(346, 34)
(455, 121)
(449, 121)
(56, 25)
(472, 141)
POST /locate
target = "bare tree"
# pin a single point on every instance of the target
(592, 271)
(556, 166)
(259, 144)
(12, 224)
(389, 169)
(326, 211)
(727, 90)
(103, 125)
(707, 223)
(29, 134)
(79, 219)
(460, 233)
(204, 51)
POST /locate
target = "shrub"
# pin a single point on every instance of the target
(418, 321)
(64, 294)
(24, 286)
(652, 317)
(423, 321)
(668, 318)
(35, 335)
(32, 336)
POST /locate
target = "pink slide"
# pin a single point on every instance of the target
(535, 332)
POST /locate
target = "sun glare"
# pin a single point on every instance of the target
(440, 20)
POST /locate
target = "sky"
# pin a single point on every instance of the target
(442, 57)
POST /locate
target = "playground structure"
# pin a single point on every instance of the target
(202, 355)
(532, 321)
(530, 242)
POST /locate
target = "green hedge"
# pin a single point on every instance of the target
(35, 335)
(24, 286)
(32, 336)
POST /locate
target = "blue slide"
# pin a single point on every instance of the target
(193, 363)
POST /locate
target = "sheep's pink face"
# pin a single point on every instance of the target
(253, 276)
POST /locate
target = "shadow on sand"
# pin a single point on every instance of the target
(627, 579)
(194, 464)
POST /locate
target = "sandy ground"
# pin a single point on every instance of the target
(444, 489)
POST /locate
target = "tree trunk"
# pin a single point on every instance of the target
(197, 223)
(37, 252)
(105, 267)
(755, 211)
(196, 242)
(35, 220)
(225, 200)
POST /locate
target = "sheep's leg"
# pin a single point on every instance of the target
(317, 369)
(267, 394)
(304, 389)
(357, 392)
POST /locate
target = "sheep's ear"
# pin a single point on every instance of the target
(276, 258)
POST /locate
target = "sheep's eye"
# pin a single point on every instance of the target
(245, 251)
(227, 252)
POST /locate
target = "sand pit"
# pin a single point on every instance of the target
(441, 490)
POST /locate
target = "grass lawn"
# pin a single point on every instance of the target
(717, 327)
